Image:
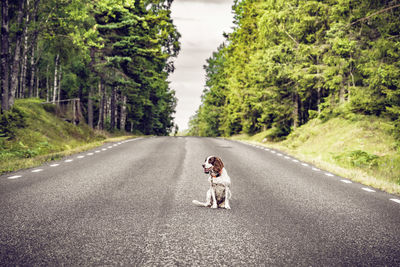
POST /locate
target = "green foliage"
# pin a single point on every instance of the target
(127, 46)
(275, 134)
(48, 107)
(360, 147)
(358, 158)
(290, 61)
(31, 131)
(138, 45)
(10, 122)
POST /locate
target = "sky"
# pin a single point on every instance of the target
(201, 24)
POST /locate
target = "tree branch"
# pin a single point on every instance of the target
(374, 14)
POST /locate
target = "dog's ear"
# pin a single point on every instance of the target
(218, 165)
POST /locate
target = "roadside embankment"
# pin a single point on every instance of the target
(361, 148)
(31, 134)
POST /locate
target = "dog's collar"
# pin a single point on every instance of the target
(218, 174)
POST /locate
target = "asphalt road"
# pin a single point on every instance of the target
(130, 204)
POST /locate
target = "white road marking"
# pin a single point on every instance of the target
(295, 160)
(329, 174)
(346, 181)
(37, 170)
(279, 154)
(368, 190)
(68, 160)
(395, 200)
(14, 177)
(305, 164)
(315, 169)
(110, 147)
(80, 157)
(115, 145)
(273, 151)
(54, 165)
(104, 149)
(267, 149)
(119, 143)
(286, 157)
(90, 154)
(97, 151)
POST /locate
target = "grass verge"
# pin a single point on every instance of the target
(31, 134)
(360, 148)
(13, 164)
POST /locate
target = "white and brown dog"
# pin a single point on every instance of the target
(219, 193)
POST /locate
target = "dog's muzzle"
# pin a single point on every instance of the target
(206, 170)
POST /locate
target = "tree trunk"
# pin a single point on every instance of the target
(100, 124)
(90, 108)
(59, 82)
(90, 97)
(24, 64)
(123, 113)
(47, 84)
(33, 71)
(295, 114)
(17, 55)
(55, 78)
(107, 101)
(112, 108)
(34, 50)
(37, 87)
(117, 110)
(318, 88)
(342, 93)
(74, 112)
(4, 56)
(352, 79)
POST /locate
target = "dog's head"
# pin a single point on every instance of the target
(213, 165)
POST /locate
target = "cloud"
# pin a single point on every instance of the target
(185, 18)
(201, 23)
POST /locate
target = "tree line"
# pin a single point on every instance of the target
(114, 55)
(288, 61)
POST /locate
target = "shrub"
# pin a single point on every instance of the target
(50, 108)
(275, 134)
(10, 121)
(358, 158)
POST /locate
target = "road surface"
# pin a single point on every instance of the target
(130, 204)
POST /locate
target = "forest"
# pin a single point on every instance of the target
(289, 61)
(113, 56)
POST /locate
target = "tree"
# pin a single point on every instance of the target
(4, 56)
(289, 61)
(114, 55)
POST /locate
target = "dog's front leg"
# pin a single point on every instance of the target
(227, 206)
(214, 204)
(208, 197)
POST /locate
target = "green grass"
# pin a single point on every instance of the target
(361, 148)
(31, 134)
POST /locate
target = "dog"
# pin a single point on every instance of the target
(219, 193)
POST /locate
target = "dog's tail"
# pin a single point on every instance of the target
(201, 204)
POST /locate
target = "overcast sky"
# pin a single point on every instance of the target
(201, 24)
